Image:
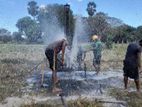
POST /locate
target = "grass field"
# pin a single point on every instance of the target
(77, 103)
(133, 99)
(15, 64)
(17, 60)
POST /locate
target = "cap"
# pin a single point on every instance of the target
(94, 37)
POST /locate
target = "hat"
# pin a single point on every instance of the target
(94, 37)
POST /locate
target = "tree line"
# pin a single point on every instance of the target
(33, 28)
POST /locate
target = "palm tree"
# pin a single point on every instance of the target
(33, 8)
(91, 8)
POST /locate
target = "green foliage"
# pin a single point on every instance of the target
(17, 36)
(33, 8)
(5, 39)
(98, 25)
(91, 8)
(55, 15)
(109, 42)
(123, 33)
(5, 35)
(138, 33)
(48, 14)
(30, 28)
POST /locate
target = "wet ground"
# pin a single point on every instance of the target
(77, 82)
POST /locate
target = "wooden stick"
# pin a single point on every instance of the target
(35, 66)
(115, 102)
(54, 61)
(42, 72)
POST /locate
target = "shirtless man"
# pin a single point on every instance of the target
(51, 53)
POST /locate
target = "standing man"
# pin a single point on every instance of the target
(79, 57)
(132, 64)
(97, 51)
(51, 53)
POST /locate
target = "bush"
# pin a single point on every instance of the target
(109, 42)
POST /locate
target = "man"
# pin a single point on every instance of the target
(79, 57)
(51, 53)
(132, 64)
(97, 51)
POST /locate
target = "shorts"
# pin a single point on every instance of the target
(50, 56)
(131, 69)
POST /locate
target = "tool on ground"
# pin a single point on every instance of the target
(62, 99)
(85, 68)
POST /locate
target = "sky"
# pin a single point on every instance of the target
(129, 11)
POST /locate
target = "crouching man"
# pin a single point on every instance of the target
(51, 53)
(132, 64)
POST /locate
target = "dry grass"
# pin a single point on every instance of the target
(111, 58)
(77, 103)
(10, 80)
(133, 99)
(17, 60)
(15, 64)
(26, 52)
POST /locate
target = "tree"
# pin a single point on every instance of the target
(33, 8)
(91, 8)
(52, 20)
(114, 22)
(30, 28)
(138, 33)
(17, 36)
(4, 32)
(98, 25)
(5, 35)
(123, 33)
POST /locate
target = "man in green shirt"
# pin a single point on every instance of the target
(97, 51)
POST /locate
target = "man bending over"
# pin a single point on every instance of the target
(51, 53)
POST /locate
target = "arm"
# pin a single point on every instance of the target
(84, 55)
(139, 62)
(63, 52)
(54, 59)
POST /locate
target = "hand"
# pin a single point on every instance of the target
(62, 63)
(53, 69)
(140, 70)
(62, 66)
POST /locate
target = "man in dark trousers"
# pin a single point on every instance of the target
(51, 53)
(132, 64)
